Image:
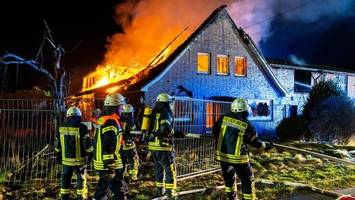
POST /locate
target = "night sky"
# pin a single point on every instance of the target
(89, 23)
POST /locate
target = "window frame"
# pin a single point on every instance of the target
(245, 66)
(228, 70)
(209, 63)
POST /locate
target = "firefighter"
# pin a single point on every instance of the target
(233, 133)
(130, 158)
(72, 146)
(161, 145)
(107, 160)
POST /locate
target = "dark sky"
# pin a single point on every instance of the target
(90, 22)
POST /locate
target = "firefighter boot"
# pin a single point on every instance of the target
(171, 195)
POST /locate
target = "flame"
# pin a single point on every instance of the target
(149, 27)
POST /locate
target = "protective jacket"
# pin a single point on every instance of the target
(233, 135)
(108, 136)
(72, 143)
(161, 131)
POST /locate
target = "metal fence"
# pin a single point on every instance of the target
(27, 130)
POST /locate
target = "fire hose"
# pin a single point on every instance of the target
(315, 154)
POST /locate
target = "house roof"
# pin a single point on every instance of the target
(150, 75)
(308, 67)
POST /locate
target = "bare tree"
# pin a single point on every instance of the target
(56, 76)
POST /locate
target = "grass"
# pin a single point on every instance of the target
(274, 165)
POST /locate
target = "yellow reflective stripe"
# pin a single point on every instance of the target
(69, 130)
(172, 167)
(118, 147)
(154, 147)
(221, 136)
(63, 145)
(229, 189)
(159, 184)
(133, 172)
(235, 123)
(169, 185)
(89, 149)
(236, 160)
(81, 191)
(73, 163)
(64, 191)
(231, 155)
(98, 146)
(165, 121)
(109, 128)
(156, 125)
(238, 146)
(108, 157)
(249, 196)
(77, 146)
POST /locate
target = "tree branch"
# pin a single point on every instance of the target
(10, 58)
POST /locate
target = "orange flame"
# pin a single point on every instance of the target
(148, 26)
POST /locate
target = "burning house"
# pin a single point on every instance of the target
(218, 62)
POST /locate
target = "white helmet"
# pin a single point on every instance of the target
(73, 111)
(239, 105)
(127, 108)
(163, 97)
(114, 99)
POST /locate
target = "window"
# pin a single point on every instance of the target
(222, 65)
(303, 81)
(240, 66)
(203, 63)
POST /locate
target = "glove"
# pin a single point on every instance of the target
(269, 146)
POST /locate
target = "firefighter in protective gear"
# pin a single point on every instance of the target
(161, 145)
(130, 158)
(233, 133)
(107, 160)
(72, 146)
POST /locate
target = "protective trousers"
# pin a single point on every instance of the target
(67, 174)
(245, 174)
(113, 180)
(164, 165)
(130, 162)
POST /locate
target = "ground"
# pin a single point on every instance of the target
(276, 165)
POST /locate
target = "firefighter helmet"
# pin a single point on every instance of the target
(239, 105)
(163, 97)
(127, 108)
(114, 99)
(73, 111)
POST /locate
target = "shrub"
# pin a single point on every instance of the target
(333, 119)
(292, 128)
(319, 92)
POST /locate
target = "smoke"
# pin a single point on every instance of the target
(296, 60)
(256, 16)
(149, 25)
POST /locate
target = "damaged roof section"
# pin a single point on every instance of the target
(142, 80)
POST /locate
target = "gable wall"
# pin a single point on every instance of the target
(218, 38)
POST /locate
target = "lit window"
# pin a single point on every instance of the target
(203, 63)
(240, 66)
(222, 65)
